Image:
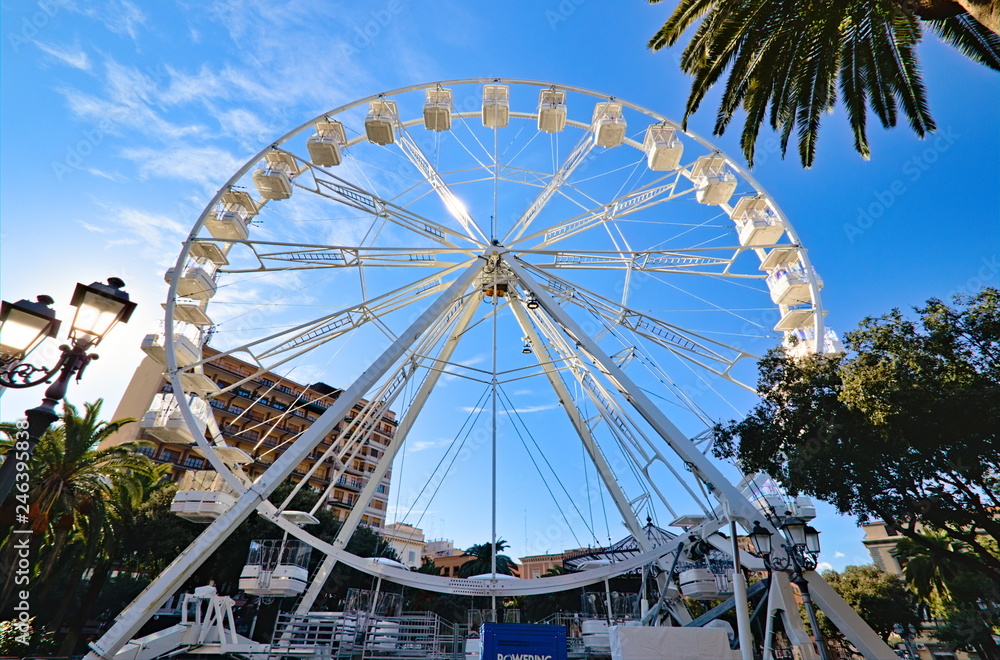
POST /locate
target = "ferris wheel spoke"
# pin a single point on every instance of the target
(455, 206)
(582, 429)
(279, 256)
(328, 185)
(634, 444)
(707, 261)
(712, 354)
(458, 318)
(632, 202)
(575, 158)
(281, 347)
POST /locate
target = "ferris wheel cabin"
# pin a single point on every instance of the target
(274, 178)
(756, 222)
(663, 149)
(437, 109)
(714, 182)
(551, 110)
(165, 421)
(230, 221)
(326, 145)
(608, 124)
(380, 124)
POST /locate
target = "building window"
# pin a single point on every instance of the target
(381, 488)
(284, 388)
(412, 556)
(890, 530)
(146, 451)
(169, 455)
(194, 462)
(267, 382)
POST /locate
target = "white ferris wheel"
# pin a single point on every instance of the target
(455, 251)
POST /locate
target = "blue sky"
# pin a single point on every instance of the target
(121, 119)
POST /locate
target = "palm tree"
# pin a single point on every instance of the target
(790, 56)
(72, 482)
(950, 590)
(483, 560)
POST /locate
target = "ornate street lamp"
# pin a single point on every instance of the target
(800, 554)
(23, 326)
(761, 539)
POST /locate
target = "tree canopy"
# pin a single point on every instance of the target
(881, 599)
(483, 562)
(904, 428)
(787, 61)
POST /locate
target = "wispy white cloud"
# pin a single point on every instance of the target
(127, 101)
(838, 555)
(421, 445)
(118, 16)
(93, 228)
(208, 166)
(73, 56)
(156, 237)
(824, 566)
(104, 175)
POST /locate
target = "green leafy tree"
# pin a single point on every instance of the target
(483, 560)
(21, 639)
(905, 428)
(881, 599)
(965, 626)
(786, 60)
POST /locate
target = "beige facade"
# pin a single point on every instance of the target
(881, 539)
(441, 548)
(407, 541)
(536, 566)
(263, 416)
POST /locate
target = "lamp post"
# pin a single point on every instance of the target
(801, 547)
(24, 325)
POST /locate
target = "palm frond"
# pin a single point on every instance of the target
(883, 103)
(895, 43)
(685, 14)
(792, 59)
(745, 69)
(971, 39)
(852, 85)
(817, 84)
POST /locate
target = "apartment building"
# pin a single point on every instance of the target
(261, 415)
(408, 542)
